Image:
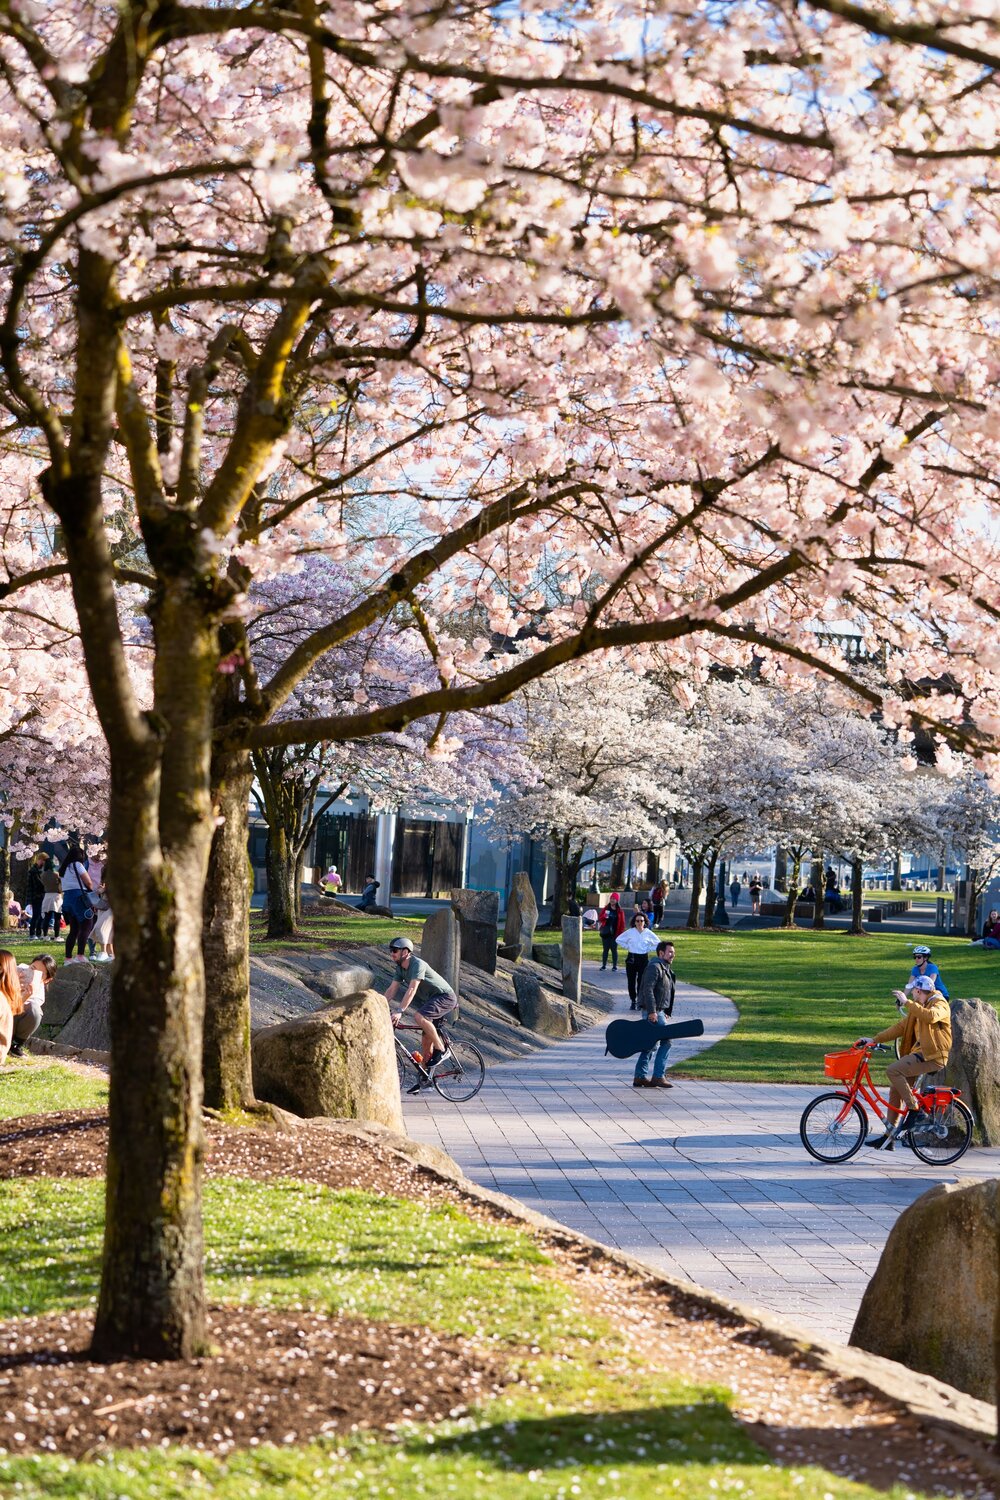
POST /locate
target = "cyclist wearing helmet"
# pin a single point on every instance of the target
(926, 1042)
(922, 966)
(416, 985)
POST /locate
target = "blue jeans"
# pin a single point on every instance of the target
(660, 1061)
(990, 943)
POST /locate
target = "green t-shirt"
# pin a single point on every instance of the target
(430, 982)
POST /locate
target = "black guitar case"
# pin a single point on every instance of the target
(627, 1038)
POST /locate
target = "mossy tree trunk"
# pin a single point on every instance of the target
(226, 938)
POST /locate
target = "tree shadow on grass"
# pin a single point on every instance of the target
(703, 1432)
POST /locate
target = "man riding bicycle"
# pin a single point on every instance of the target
(417, 986)
(926, 1042)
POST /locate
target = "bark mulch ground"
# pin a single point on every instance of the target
(798, 1413)
(271, 1377)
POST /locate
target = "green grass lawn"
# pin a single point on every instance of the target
(36, 1086)
(804, 993)
(579, 1419)
(322, 932)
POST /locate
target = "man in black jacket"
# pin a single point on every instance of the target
(36, 892)
(656, 1003)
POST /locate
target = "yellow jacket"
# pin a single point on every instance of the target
(928, 1026)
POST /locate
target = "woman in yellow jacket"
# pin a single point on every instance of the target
(925, 1032)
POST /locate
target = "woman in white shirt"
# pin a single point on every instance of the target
(639, 943)
(79, 907)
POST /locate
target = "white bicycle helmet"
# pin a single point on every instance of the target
(399, 943)
(921, 951)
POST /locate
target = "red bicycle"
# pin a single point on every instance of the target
(834, 1126)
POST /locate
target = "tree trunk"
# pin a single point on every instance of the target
(710, 889)
(152, 1296)
(568, 867)
(897, 871)
(819, 887)
(226, 939)
(280, 884)
(6, 834)
(780, 869)
(793, 891)
(857, 898)
(617, 872)
(297, 879)
(697, 867)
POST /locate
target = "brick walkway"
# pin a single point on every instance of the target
(708, 1182)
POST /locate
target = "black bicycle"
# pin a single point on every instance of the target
(458, 1077)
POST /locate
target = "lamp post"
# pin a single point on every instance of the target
(721, 918)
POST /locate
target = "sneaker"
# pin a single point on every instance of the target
(16, 1049)
(880, 1142)
(436, 1058)
(421, 1083)
(916, 1117)
(103, 958)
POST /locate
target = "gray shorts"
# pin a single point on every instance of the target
(436, 1006)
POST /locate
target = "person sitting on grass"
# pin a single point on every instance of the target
(925, 1042)
(991, 930)
(11, 1001)
(369, 893)
(34, 979)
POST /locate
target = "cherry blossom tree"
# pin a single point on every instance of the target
(482, 303)
(593, 747)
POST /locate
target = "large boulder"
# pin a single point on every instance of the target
(89, 1027)
(522, 916)
(441, 945)
(339, 1061)
(478, 915)
(974, 1064)
(932, 1300)
(287, 984)
(549, 954)
(65, 994)
(537, 1009)
(572, 958)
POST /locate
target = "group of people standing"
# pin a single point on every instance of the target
(74, 892)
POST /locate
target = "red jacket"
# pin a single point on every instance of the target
(602, 917)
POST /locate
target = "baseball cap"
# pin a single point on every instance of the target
(924, 982)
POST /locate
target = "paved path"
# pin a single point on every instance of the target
(708, 1181)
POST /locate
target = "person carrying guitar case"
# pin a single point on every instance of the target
(656, 1003)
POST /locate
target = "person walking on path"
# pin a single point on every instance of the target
(36, 891)
(756, 886)
(657, 897)
(639, 943)
(611, 921)
(656, 1000)
(734, 893)
(925, 1033)
(78, 901)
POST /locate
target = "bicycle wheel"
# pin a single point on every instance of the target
(828, 1132)
(405, 1067)
(461, 1075)
(946, 1138)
